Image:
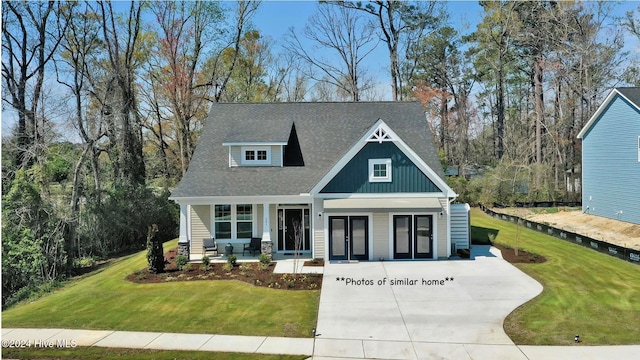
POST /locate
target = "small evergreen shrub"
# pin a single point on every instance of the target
(181, 261)
(264, 259)
(155, 253)
(232, 259)
(205, 263)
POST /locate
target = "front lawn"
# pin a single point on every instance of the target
(585, 292)
(107, 301)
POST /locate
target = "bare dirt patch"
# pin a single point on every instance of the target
(521, 257)
(252, 273)
(596, 227)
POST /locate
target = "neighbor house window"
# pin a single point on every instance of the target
(233, 221)
(380, 170)
(256, 155)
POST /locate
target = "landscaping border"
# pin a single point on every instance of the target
(620, 252)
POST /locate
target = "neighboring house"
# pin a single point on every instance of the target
(611, 158)
(355, 181)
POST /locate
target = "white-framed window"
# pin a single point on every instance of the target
(379, 170)
(222, 219)
(260, 155)
(233, 221)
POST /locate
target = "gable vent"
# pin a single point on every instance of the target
(380, 135)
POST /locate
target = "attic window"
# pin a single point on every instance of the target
(379, 170)
(380, 135)
(259, 155)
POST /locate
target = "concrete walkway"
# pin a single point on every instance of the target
(158, 341)
(351, 349)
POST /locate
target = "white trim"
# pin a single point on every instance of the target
(434, 232)
(440, 183)
(379, 196)
(254, 143)
(638, 148)
(255, 149)
(207, 200)
(388, 170)
(601, 109)
(369, 216)
(381, 135)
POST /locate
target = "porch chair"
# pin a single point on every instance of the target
(209, 244)
(253, 246)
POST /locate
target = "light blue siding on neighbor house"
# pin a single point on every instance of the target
(610, 163)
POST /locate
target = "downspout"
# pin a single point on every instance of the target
(452, 199)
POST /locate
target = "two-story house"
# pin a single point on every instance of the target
(611, 157)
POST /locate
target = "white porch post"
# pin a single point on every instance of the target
(266, 223)
(183, 241)
(183, 223)
(266, 244)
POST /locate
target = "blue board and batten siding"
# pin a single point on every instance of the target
(406, 176)
(610, 164)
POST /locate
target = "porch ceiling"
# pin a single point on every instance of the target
(383, 203)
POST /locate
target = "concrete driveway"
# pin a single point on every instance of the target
(426, 309)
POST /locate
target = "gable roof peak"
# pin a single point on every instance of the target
(382, 133)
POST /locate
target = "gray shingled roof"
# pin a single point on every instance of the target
(326, 132)
(631, 93)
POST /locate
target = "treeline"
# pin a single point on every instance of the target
(109, 98)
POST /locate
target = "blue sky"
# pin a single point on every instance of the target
(275, 17)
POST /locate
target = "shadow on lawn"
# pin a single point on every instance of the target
(482, 236)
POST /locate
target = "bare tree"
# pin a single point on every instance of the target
(29, 41)
(122, 43)
(400, 24)
(186, 31)
(345, 34)
(221, 73)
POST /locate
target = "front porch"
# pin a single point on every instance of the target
(285, 264)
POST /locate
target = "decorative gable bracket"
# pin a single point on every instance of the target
(381, 134)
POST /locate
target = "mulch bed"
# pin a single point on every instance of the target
(253, 273)
(524, 257)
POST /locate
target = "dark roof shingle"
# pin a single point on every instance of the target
(631, 93)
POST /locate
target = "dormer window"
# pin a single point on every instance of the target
(258, 155)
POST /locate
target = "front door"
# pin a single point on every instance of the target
(293, 230)
(348, 238)
(412, 236)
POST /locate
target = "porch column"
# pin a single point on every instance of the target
(183, 241)
(266, 245)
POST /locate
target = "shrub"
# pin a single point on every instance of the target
(181, 261)
(232, 259)
(227, 267)
(205, 263)
(84, 262)
(155, 253)
(264, 259)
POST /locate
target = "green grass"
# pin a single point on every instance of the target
(106, 301)
(585, 292)
(118, 354)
